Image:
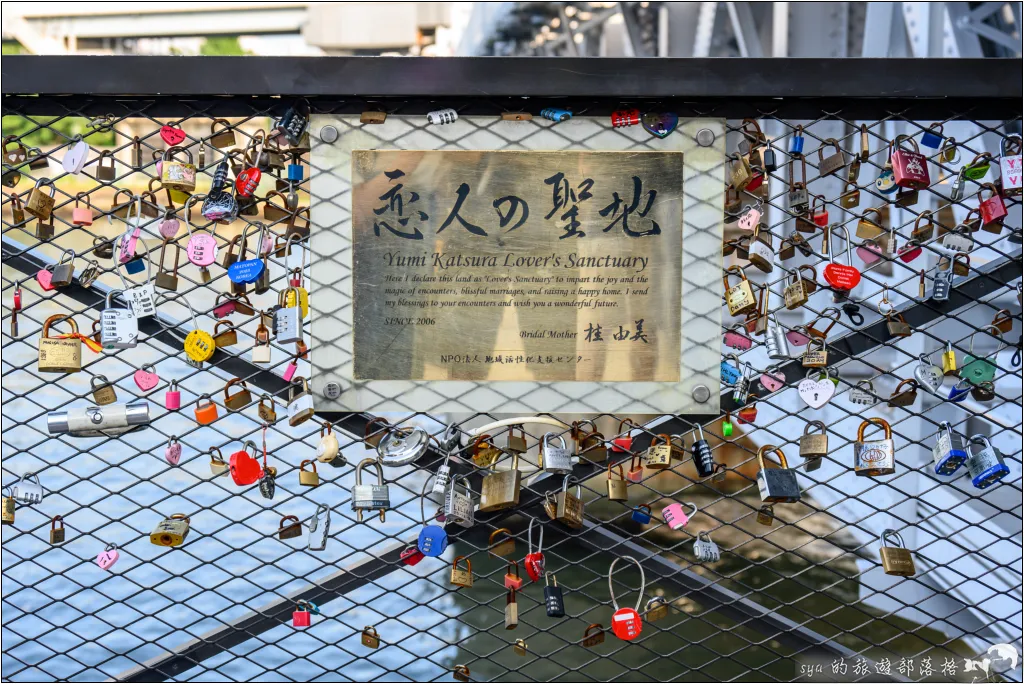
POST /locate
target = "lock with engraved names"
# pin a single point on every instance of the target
(875, 457)
(834, 161)
(896, 560)
(370, 496)
(626, 622)
(950, 450)
(60, 354)
(555, 459)
(458, 505)
(461, 577)
(108, 557)
(776, 485)
(985, 466)
(569, 505)
(739, 298)
(909, 166)
(816, 354)
(659, 455)
(794, 293)
(102, 390)
(500, 490)
(171, 531)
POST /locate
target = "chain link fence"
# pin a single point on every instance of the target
(796, 591)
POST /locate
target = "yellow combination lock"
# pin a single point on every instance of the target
(199, 344)
(289, 297)
(949, 360)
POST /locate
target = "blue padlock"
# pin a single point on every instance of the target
(556, 114)
(959, 391)
(134, 266)
(642, 514)
(796, 143)
(433, 540)
(949, 451)
(933, 138)
(295, 172)
(247, 271)
(985, 466)
(730, 374)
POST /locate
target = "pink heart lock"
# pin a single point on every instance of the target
(266, 246)
(108, 557)
(737, 340)
(171, 135)
(869, 252)
(674, 515)
(169, 227)
(797, 337)
(173, 451)
(750, 219)
(773, 380)
(146, 379)
(45, 279)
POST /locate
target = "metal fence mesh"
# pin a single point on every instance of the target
(806, 591)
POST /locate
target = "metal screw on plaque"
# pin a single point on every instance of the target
(329, 134)
(332, 390)
(701, 394)
(705, 137)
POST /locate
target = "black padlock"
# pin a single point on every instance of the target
(703, 459)
(553, 602)
(768, 160)
(293, 123)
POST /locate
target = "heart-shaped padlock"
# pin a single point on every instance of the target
(750, 219)
(816, 393)
(173, 451)
(247, 180)
(928, 375)
(75, 157)
(797, 337)
(245, 469)
(869, 252)
(773, 380)
(146, 379)
(107, 557)
(44, 277)
(171, 135)
(909, 252)
(660, 124)
(169, 227)
(842, 277)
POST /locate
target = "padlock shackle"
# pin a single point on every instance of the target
(56, 318)
(890, 533)
(515, 566)
(622, 473)
(544, 441)
(815, 424)
(880, 422)
(495, 533)
(643, 581)
(778, 452)
(569, 479)
(469, 563)
(529, 537)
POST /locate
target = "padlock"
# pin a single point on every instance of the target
(534, 561)
(458, 505)
(319, 525)
(703, 458)
(832, 163)
(641, 514)
(432, 540)
(993, 209)
(909, 167)
(247, 271)
(60, 354)
(171, 531)
(776, 341)
(293, 123)
(146, 378)
(308, 478)
(206, 410)
(459, 672)
(983, 392)
(244, 466)
(659, 455)
(370, 496)
(108, 557)
(897, 325)
(656, 609)
(706, 550)
(511, 610)
(227, 338)
(794, 294)
(943, 284)
(300, 402)
(841, 277)
(512, 578)
(240, 399)
(636, 469)
(870, 228)
(617, 487)
(218, 466)
(977, 370)
(739, 298)
(287, 319)
(265, 409)
(1011, 171)
(905, 397)
(172, 452)
(816, 354)
(760, 252)
(932, 136)
(592, 636)
(876, 457)
(623, 443)
(813, 446)
(850, 197)
(569, 506)
(626, 622)
(370, 638)
(896, 560)
(798, 197)
(592, 445)
(165, 280)
(501, 547)
(27, 490)
(102, 390)
(949, 451)
(985, 466)
(675, 517)
(957, 240)
(57, 533)
(329, 450)
(500, 490)
(289, 528)
(303, 610)
(40, 204)
(796, 143)
(460, 577)
(863, 393)
(776, 485)
(554, 604)
(554, 459)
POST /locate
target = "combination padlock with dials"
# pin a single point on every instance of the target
(896, 560)
(813, 447)
(141, 298)
(370, 497)
(776, 342)
(27, 490)
(500, 490)
(119, 328)
(875, 457)
(554, 603)
(706, 550)
(675, 517)
(703, 458)
(950, 450)
(555, 459)
(287, 319)
(458, 505)
(171, 531)
(626, 622)
(319, 526)
(986, 465)
(776, 485)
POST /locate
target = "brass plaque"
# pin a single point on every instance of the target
(517, 265)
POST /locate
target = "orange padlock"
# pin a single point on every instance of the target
(636, 469)
(206, 410)
(748, 414)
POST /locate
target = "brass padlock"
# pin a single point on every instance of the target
(617, 488)
(897, 325)
(57, 533)
(376, 429)
(290, 527)
(740, 298)
(171, 531)
(875, 457)
(459, 672)
(592, 636)
(516, 442)
(591, 444)
(760, 252)
(1003, 321)
(484, 453)
(568, 506)
(511, 610)
(740, 173)
(816, 354)
(766, 515)
(40, 203)
(795, 293)
(240, 399)
(850, 197)
(519, 647)
(222, 139)
(103, 393)
(659, 454)
(869, 228)
(7, 513)
(308, 478)
(165, 280)
(460, 577)
(227, 338)
(656, 609)
(370, 638)
(218, 466)
(813, 447)
(58, 355)
(503, 547)
(905, 397)
(500, 490)
(266, 411)
(896, 560)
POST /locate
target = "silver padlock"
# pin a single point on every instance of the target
(943, 284)
(875, 457)
(458, 506)
(288, 319)
(141, 298)
(300, 405)
(557, 459)
(985, 466)
(402, 446)
(319, 526)
(741, 389)
(950, 450)
(775, 340)
(63, 273)
(367, 497)
(705, 549)
(442, 478)
(28, 489)
(957, 240)
(119, 328)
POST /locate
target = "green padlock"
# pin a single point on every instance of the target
(978, 166)
(727, 426)
(977, 370)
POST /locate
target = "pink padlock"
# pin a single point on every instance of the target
(772, 379)
(798, 336)
(290, 370)
(201, 249)
(169, 226)
(108, 557)
(146, 379)
(172, 400)
(129, 244)
(82, 216)
(674, 515)
(222, 310)
(737, 340)
(750, 218)
(45, 278)
(173, 451)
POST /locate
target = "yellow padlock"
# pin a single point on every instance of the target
(199, 344)
(949, 360)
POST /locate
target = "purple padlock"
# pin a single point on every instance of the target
(108, 557)
(173, 451)
(674, 515)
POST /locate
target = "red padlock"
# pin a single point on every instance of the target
(625, 117)
(840, 276)
(82, 216)
(513, 581)
(636, 469)
(909, 167)
(245, 469)
(626, 622)
(412, 555)
(246, 182)
(748, 414)
(992, 209)
(303, 609)
(624, 442)
(534, 560)
(819, 214)
(171, 135)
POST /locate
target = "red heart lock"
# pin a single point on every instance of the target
(908, 253)
(244, 468)
(841, 276)
(534, 563)
(146, 379)
(171, 135)
(247, 180)
(45, 279)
